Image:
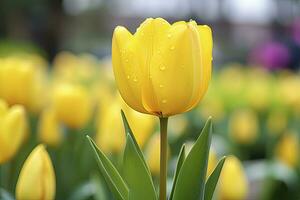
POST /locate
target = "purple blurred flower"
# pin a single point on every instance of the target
(271, 55)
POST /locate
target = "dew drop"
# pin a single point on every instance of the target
(128, 77)
(169, 35)
(172, 48)
(126, 60)
(162, 68)
(161, 86)
(164, 101)
(135, 80)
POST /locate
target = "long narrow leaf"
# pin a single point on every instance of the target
(181, 158)
(135, 174)
(129, 131)
(191, 178)
(212, 181)
(110, 173)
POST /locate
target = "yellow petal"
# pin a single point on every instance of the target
(37, 178)
(126, 69)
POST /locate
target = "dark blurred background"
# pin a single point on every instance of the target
(265, 32)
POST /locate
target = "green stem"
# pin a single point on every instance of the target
(163, 158)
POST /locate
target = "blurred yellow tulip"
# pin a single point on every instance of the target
(162, 69)
(110, 135)
(49, 131)
(233, 181)
(22, 81)
(12, 130)
(287, 150)
(243, 126)
(37, 178)
(212, 162)
(72, 105)
(153, 154)
(110, 131)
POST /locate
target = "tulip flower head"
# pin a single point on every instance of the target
(12, 130)
(233, 180)
(162, 69)
(72, 105)
(37, 179)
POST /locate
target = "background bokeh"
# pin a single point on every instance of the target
(55, 60)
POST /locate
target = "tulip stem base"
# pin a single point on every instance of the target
(163, 158)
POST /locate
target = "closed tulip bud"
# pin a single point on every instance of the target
(49, 131)
(37, 179)
(287, 150)
(21, 82)
(72, 105)
(162, 69)
(142, 125)
(233, 180)
(212, 162)
(153, 154)
(243, 126)
(110, 135)
(12, 130)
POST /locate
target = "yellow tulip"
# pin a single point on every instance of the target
(22, 81)
(37, 177)
(110, 131)
(287, 150)
(153, 154)
(233, 181)
(162, 69)
(12, 130)
(110, 135)
(142, 125)
(49, 131)
(212, 162)
(243, 126)
(72, 105)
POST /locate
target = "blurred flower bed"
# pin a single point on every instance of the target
(256, 117)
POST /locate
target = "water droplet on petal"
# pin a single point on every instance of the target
(172, 48)
(161, 86)
(135, 80)
(164, 101)
(162, 68)
(169, 35)
(126, 60)
(128, 77)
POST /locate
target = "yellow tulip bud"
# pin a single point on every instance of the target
(212, 162)
(49, 131)
(153, 154)
(162, 69)
(12, 130)
(21, 82)
(110, 135)
(37, 179)
(72, 105)
(233, 181)
(287, 149)
(243, 126)
(142, 125)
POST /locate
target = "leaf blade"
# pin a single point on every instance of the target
(212, 180)
(181, 158)
(112, 177)
(191, 178)
(135, 174)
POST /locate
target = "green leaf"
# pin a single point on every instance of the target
(110, 173)
(135, 174)
(212, 181)
(192, 175)
(181, 158)
(129, 131)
